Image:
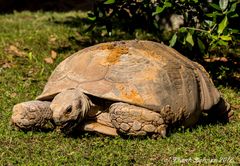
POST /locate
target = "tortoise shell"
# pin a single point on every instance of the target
(143, 73)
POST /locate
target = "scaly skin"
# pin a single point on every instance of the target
(135, 120)
(31, 114)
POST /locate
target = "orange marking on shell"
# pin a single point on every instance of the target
(106, 46)
(115, 54)
(131, 94)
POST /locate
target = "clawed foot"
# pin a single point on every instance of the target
(134, 120)
(31, 115)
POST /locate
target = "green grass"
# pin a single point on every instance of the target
(23, 74)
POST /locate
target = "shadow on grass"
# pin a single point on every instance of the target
(77, 135)
(9, 6)
(224, 71)
(42, 130)
(93, 34)
(80, 39)
(204, 121)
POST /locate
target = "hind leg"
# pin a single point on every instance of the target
(31, 114)
(134, 120)
(221, 112)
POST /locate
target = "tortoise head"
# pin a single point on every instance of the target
(69, 108)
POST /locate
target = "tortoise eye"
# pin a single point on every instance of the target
(68, 110)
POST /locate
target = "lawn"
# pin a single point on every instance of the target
(31, 46)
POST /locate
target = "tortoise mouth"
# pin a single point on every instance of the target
(68, 127)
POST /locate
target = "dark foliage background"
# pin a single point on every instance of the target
(205, 31)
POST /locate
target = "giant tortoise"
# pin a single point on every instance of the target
(133, 87)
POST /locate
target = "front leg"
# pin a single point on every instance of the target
(31, 115)
(134, 120)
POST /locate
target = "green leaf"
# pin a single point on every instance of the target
(161, 9)
(223, 4)
(214, 14)
(222, 43)
(167, 4)
(214, 37)
(107, 2)
(235, 31)
(225, 38)
(189, 39)
(215, 6)
(201, 45)
(222, 25)
(173, 40)
(158, 10)
(233, 7)
(210, 23)
(213, 45)
(92, 18)
(182, 30)
(234, 15)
